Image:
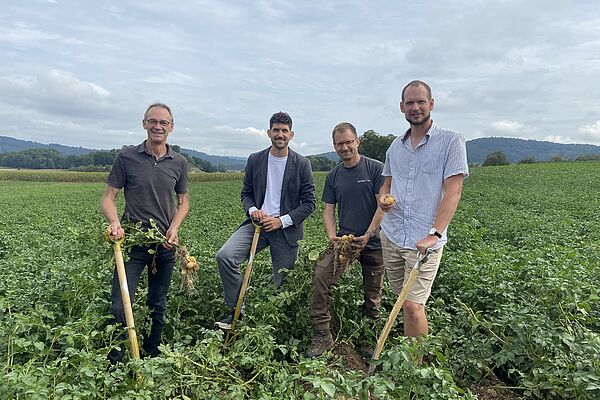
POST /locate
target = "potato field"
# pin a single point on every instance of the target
(514, 312)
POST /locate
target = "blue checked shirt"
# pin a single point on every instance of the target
(417, 178)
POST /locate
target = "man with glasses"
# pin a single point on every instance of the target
(279, 193)
(149, 174)
(424, 171)
(352, 186)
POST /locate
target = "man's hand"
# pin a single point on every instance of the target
(384, 202)
(271, 223)
(172, 236)
(334, 239)
(361, 241)
(426, 242)
(115, 231)
(258, 215)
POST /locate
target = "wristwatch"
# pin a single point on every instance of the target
(434, 232)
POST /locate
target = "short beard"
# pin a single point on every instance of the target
(422, 122)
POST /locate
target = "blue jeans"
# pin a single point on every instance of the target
(236, 250)
(158, 286)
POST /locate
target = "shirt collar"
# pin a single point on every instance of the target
(141, 148)
(432, 130)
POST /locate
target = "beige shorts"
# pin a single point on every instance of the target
(399, 261)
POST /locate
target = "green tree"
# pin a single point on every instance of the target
(204, 165)
(321, 163)
(528, 160)
(495, 158)
(375, 145)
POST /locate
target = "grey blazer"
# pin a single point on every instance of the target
(297, 192)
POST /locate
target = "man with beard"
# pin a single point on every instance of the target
(352, 186)
(278, 193)
(424, 171)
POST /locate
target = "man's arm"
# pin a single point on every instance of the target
(329, 222)
(109, 209)
(306, 193)
(384, 191)
(247, 194)
(181, 211)
(449, 204)
(373, 227)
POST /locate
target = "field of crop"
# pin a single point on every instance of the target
(514, 312)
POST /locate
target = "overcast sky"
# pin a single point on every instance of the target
(81, 73)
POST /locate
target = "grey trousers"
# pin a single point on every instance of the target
(236, 250)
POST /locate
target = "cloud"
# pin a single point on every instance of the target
(507, 127)
(560, 139)
(592, 130)
(21, 34)
(590, 133)
(58, 92)
(222, 140)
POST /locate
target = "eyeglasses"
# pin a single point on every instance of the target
(347, 143)
(163, 122)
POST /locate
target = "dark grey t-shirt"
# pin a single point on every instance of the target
(354, 190)
(149, 184)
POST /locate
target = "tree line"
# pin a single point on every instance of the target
(100, 160)
(372, 145)
(499, 158)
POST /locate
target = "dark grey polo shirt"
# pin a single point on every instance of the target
(355, 190)
(149, 184)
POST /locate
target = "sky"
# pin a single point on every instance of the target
(81, 73)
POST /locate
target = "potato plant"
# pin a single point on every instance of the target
(516, 298)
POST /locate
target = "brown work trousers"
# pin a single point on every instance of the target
(324, 279)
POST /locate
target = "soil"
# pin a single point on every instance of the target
(492, 388)
(351, 359)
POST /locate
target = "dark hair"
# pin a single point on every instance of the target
(281, 118)
(342, 127)
(160, 105)
(417, 83)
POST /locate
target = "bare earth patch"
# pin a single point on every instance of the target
(351, 359)
(491, 388)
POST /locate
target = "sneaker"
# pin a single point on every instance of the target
(321, 342)
(225, 323)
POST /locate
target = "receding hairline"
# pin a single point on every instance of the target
(343, 127)
(417, 83)
(158, 105)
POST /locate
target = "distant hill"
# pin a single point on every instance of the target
(332, 155)
(230, 162)
(515, 150)
(9, 144)
(477, 150)
(520, 149)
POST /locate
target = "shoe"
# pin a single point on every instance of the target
(367, 351)
(321, 342)
(227, 321)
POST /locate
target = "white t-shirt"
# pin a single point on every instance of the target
(272, 202)
(275, 170)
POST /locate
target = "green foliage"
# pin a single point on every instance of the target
(528, 160)
(375, 145)
(516, 296)
(495, 158)
(52, 159)
(321, 163)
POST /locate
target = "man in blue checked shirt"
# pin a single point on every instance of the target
(424, 171)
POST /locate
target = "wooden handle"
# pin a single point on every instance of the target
(135, 351)
(246, 280)
(397, 307)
